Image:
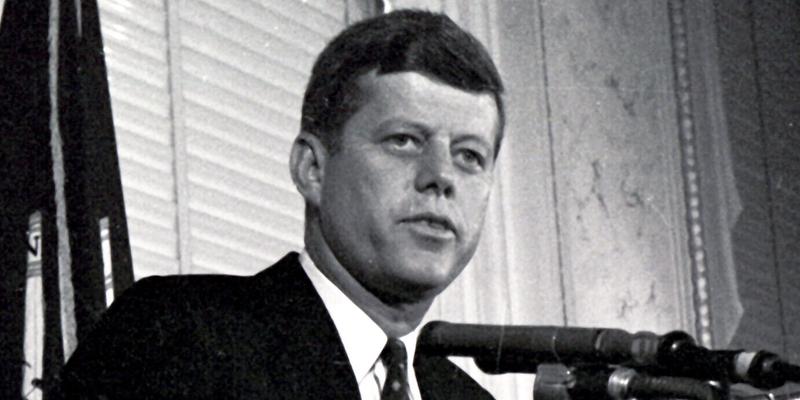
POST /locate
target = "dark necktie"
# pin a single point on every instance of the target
(395, 359)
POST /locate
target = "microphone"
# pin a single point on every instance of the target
(678, 354)
(501, 349)
(763, 369)
(510, 348)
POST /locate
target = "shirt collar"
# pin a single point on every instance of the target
(362, 338)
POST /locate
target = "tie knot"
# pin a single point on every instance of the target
(394, 358)
(394, 353)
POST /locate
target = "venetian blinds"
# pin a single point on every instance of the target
(206, 98)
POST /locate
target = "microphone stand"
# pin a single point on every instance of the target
(770, 396)
(590, 382)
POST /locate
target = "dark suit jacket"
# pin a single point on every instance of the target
(268, 336)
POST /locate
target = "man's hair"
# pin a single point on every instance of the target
(401, 41)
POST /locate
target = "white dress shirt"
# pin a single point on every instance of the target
(362, 338)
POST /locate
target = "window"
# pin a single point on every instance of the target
(206, 101)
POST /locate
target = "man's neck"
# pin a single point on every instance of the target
(396, 319)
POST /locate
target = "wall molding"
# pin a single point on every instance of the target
(690, 171)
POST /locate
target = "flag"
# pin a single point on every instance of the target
(60, 190)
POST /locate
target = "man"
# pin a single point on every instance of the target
(402, 122)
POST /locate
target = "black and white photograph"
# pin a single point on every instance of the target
(400, 199)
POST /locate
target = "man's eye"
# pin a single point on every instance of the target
(403, 141)
(470, 159)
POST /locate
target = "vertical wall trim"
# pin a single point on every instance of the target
(67, 296)
(689, 169)
(762, 129)
(180, 158)
(549, 115)
(721, 202)
(356, 10)
(493, 30)
(506, 249)
(79, 17)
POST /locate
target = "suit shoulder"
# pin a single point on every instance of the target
(172, 295)
(184, 285)
(160, 304)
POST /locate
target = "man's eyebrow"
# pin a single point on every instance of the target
(404, 123)
(471, 137)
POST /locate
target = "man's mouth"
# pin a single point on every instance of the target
(435, 223)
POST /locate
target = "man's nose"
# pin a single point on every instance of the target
(436, 172)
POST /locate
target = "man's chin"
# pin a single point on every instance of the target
(419, 286)
(413, 296)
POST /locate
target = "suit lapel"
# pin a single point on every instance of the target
(304, 356)
(311, 357)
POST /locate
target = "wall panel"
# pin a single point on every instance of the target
(617, 164)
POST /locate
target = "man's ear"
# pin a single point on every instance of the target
(307, 165)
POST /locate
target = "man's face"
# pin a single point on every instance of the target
(404, 195)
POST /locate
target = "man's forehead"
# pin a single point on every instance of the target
(411, 97)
